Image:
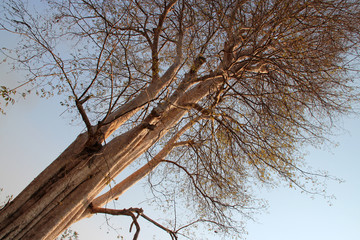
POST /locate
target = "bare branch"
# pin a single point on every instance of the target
(130, 212)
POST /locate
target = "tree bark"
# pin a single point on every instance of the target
(64, 190)
(62, 193)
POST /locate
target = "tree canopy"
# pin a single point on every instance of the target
(211, 97)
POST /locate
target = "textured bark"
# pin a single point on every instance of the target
(55, 199)
(62, 193)
(268, 83)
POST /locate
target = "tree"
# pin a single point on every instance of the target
(220, 94)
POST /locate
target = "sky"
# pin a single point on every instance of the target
(34, 132)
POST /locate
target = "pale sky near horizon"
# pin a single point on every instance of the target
(33, 133)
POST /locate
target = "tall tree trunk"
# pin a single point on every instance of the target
(64, 190)
(62, 193)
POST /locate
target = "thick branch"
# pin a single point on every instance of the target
(121, 187)
(118, 117)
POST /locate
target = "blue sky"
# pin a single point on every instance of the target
(33, 133)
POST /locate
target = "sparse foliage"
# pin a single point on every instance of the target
(210, 97)
(69, 234)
